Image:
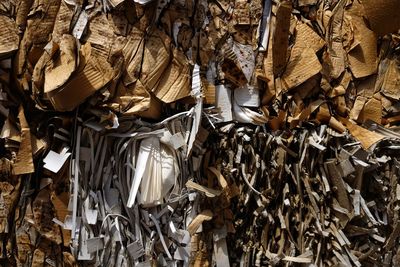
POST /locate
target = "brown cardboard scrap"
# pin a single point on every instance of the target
(9, 39)
(336, 51)
(382, 15)
(24, 161)
(205, 215)
(133, 55)
(366, 137)
(336, 124)
(307, 2)
(232, 70)
(391, 81)
(22, 10)
(209, 92)
(60, 203)
(307, 37)
(175, 83)
(156, 57)
(63, 21)
(210, 192)
(270, 91)
(366, 87)
(134, 99)
(43, 214)
(372, 111)
(62, 66)
(363, 58)
(100, 35)
(93, 73)
(301, 67)
(357, 108)
(40, 27)
(39, 20)
(9, 196)
(281, 37)
(242, 13)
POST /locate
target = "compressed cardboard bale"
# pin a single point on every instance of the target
(101, 93)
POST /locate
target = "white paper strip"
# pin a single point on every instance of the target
(54, 161)
(247, 96)
(223, 102)
(146, 147)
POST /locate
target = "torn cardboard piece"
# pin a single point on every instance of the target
(301, 67)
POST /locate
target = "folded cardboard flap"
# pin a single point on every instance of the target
(301, 67)
(366, 137)
(134, 99)
(156, 58)
(154, 110)
(100, 33)
(62, 65)
(90, 77)
(363, 57)
(307, 37)
(133, 55)
(63, 20)
(372, 111)
(175, 82)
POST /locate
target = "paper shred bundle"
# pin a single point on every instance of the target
(306, 196)
(199, 133)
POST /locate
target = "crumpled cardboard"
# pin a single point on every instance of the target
(93, 73)
(156, 57)
(62, 66)
(174, 84)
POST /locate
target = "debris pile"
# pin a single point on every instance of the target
(191, 133)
